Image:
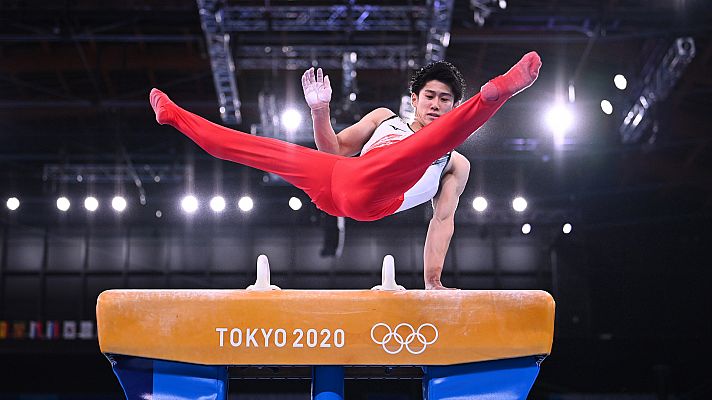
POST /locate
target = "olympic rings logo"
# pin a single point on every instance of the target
(404, 335)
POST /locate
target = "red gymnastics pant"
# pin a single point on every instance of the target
(364, 188)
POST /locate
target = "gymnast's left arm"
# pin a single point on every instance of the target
(442, 225)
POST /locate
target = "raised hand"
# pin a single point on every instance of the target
(317, 88)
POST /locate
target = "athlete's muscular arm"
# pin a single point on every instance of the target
(317, 92)
(442, 225)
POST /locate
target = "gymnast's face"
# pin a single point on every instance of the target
(434, 100)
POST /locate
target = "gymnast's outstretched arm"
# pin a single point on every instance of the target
(350, 141)
(442, 225)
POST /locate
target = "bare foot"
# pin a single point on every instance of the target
(519, 77)
(161, 106)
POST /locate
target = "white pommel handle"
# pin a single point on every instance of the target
(388, 275)
(262, 282)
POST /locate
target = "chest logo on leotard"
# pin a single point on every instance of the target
(398, 129)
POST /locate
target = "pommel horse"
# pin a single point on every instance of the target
(470, 344)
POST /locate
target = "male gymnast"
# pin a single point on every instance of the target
(400, 164)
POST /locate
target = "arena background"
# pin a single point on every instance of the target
(632, 280)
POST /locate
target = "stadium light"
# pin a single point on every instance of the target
(13, 203)
(607, 107)
(559, 119)
(189, 204)
(118, 203)
(91, 203)
(291, 119)
(526, 229)
(63, 203)
(217, 204)
(245, 203)
(479, 204)
(295, 204)
(519, 204)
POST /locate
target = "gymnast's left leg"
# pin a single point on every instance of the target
(305, 168)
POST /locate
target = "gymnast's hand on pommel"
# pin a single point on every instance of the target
(317, 89)
(436, 285)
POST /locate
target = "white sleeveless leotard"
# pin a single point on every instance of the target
(393, 130)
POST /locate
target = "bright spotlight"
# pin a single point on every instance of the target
(644, 102)
(118, 203)
(559, 119)
(607, 107)
(526, 229)
(245, 203)
(445, 39)
(189, 204)
(352, 96)
(13, 203)
(291, 119)
(503, 4)
(91, 203)
(620, 82)
(479, 204)
(637, 119)
(478, 18)
(519, 204)
(63, 203)
(217, 203)
(295, 204)
(566, 228)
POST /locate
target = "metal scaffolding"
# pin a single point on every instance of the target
(111, 173)
(349, 86)
(221, 62)
(336, 18)
(438, 38)
(412, 24)
(328, 56)
(658, 78)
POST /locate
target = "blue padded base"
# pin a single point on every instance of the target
(143, 378)
(509, 379)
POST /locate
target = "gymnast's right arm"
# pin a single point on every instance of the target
(350, 141)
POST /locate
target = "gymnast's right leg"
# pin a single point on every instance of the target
(383, 175)
(305, 168)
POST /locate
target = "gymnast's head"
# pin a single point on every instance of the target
(435, 89)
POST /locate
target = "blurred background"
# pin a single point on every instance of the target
(609, 155)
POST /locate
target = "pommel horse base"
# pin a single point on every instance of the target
(471, 344)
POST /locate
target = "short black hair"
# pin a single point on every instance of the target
(441, 71)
